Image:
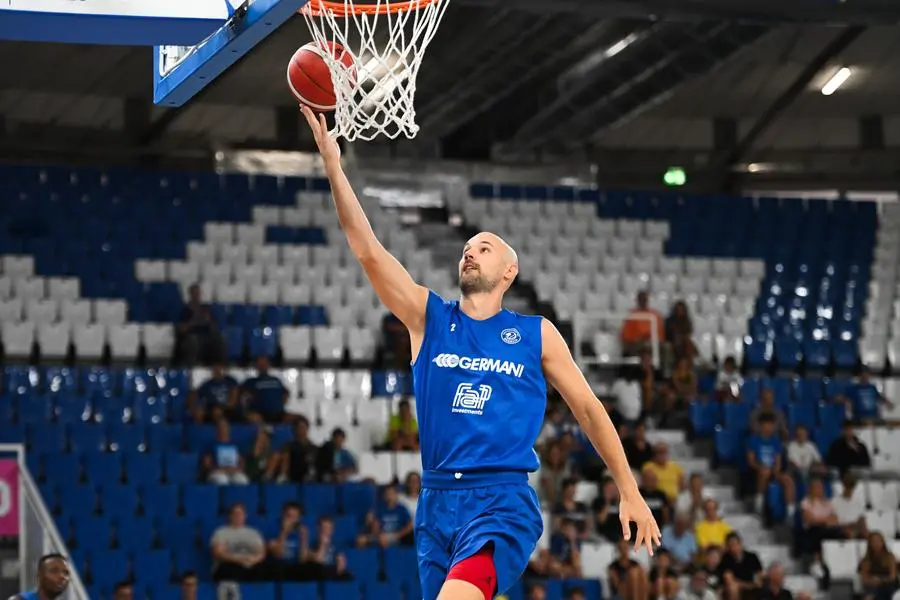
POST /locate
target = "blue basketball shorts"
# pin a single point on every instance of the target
(458, 514)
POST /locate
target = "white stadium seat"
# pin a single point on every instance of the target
(29, 288)
(377, 466)
(89, 340)
(202, 253)
(53, 338)
(159, 340)
(250, 275)
(250, 235)
(296, 295)
(329, 343)
(218, 233)
(65, 288)
(183, 272)
(234, 254)
(150, 271)
(11, 310)
(5, 287)
(361, 343)
(42, 311)
(110, 312)
(264, 293)
(16, 267)
(296, 256)
(18, 338)
(266, 254)
(124, 341)
(216, 273)
(296, 343)
(231, 293)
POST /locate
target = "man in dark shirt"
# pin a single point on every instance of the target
(299, 455)
(606, 511)
(638, 451)
(656, 499)
(711, 568)
(773, 588)
(848, 451)
(570, 509)
(663, 576)
(741, 570)
(334, 463)
(288, 544)
(264, 395)
(216, 397)
(626, 577)
(198, 336)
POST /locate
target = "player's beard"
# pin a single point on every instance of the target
(475, 282)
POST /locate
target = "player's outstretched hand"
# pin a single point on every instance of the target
(636, 511)
(328, 146)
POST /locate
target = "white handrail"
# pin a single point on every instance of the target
(578, 335)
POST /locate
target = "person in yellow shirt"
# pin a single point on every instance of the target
(712, 530)
(403, 430)
(669, 473)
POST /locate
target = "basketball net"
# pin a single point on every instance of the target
(387, 41)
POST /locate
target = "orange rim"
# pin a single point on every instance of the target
(318, 7)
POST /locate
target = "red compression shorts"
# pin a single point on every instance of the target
(478, 570)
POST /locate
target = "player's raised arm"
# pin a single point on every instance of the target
(392, 282)
(562, 372)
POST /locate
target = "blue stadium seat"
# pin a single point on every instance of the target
(87, 437)
(103, 468)
(263, 342)
(92, 534)
(181, 467)
(381, 590)
(135, 534)
(126, 437)
(832, 415)
(300, 590)
(159, 500)
(275, 496)
(152, 410)
(248, 495)
(118, 501)
(143, 468)
(257, 591)
(318, 498)
(200, 500)
(400, 564)
(801, 413)
(47, 438)
(705, 415)
(364, 564)
(153, 566)
(108, 568)
(340, 590)
(729, 446)
(179, 534)
(165, 438)
(200, 438)
(78, 500)
(74, 409)
(736, 415)
(357, 498)
(346, 529)
(62, 469)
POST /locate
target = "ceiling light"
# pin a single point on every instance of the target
(836, 81)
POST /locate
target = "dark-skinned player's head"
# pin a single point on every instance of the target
(53, 575)
(487, 264)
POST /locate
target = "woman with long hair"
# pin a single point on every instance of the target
(878, 570)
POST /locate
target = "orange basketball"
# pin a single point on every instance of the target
(309, 78)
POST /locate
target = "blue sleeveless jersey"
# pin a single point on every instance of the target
(480, 390)
(26, 596)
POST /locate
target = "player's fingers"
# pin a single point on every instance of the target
(308, 114)
(323, 123)
(626, 526)
(638, 539)
(648, 539)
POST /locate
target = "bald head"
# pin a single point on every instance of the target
(488, 262)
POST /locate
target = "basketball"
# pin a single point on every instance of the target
(309, 78)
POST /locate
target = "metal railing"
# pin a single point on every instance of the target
(586, 325)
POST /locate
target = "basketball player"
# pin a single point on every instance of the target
(52, 579)
(480, 376)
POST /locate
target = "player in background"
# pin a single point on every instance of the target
(480, 376)
(52, 579)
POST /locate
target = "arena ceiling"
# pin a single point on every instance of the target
(516, 78)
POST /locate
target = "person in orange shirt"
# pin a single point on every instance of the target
(636, 331)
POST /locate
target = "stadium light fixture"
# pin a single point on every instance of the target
(836, 81)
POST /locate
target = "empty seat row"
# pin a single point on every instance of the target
(89, 341)
(71, 311)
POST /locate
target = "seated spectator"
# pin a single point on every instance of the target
(698, 588)
(729, 380)
(710, 568)
(638, 327)
(298, 457)
(773, 585)
(537, 591)
(565, 552)
(764, 459)
(264, 395)
(767, 408)
(680, 541)
(569, 509)
(819, 519)
(741, 570)
(850, 509)
(238, 551)
(262, 463)
(388, 525)
(606, 511)
(412, 487)
(684, 380)
(403, 431)
(189, 585)
(395, 343)
(555, 468)
(223, 462)
(552, 427)
(878, 570)
(679, 332)
(663, 577)
(334, 463)
(216, 397)
(576, 593)
(626, 577)
(123, 591)
(638, 450)
(648, 380)
(669, 473)
(322, 558)
(690, 502)
(711, 531)
(197, 333)
(802, 454)
(848, 452)
(289, 544)
(656, 500)
(865, 400)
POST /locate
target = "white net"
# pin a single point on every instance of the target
(387, 41)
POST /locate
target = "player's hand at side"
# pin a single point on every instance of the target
(635, 510)
(328, 146)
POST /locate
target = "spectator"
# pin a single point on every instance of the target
(569, 509)
(217, 396)
(648, 382)
(264, 395)
(198, 337)
(552, 428)
(626, 577)
(606, 511)
(690, 501)
(555, 469)
(238, 550)
(395, 522)
(576, 593)
(123, 591)
(729, 380)
(537, 591)
(262, 463)
(680, 541)
(289, 544)
(819, 519)
(395, 343)
(189, 585)
(298, 458)
(698, 588)
(637, 449)
(802, 454)
(638, 327)
(628, 400)
(334, 463)
(767, 408)
(565, 552)
(764, 458)
(679, 332)
(223, 462)
(663, 577)
(878, 570)
(711, 530)
(850, 509)
(741, 570)
(684, 380)
(710, 568)
(322, 559)
(668, 473)
(848, 452)
(656, 499)
(412, 487)
(865, 400)
(773, 585)
(403, 431)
